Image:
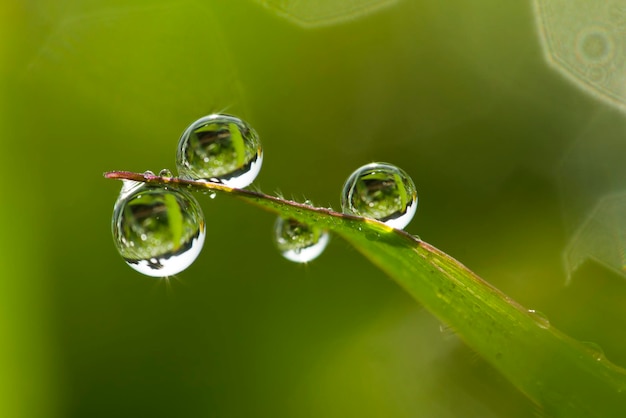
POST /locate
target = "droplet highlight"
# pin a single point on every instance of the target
(299, 242)
(220, 148)
(380, 191)
(159, 231)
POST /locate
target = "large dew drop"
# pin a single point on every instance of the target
(158, 231)
(380, 191)
(299, 242)
(220, 148)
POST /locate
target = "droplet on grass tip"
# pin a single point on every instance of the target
(159, 231)
(220, 148)
(299, 242)
(380, 191)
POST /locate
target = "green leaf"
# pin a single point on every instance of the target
(561, 375)
(311, 13)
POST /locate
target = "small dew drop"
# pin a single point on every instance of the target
(220, 148)
(595, 350)
(147, 174)
(158, 232)
(541, 319)
(299, 242)
(165, 173)
(380, 191)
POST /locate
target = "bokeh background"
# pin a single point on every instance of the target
(519, 170)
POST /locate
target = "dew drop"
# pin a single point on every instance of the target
(165, 173)
(595, 350)
(381, 191)
(220, 148)
(158, 231)
(299, 242)
(147, 174)
(541, 319)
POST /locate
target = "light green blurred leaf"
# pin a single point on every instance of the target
(310, 13)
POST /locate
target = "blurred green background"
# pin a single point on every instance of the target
(508, 156)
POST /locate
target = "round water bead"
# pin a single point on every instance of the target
(220, 148)
(165, 173)
(380, 191)
(159, 231)
(299, 242)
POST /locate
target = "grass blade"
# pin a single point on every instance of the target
(564, 377)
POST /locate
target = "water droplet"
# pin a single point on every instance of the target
(158, 231)
(541, 319)
(299, 242)
(147, 174)
(165, 173)
(595, 350)
(381, 191)
(220, 148)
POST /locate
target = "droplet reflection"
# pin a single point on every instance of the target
(299, 242)
(380, 191)
(220, 148)
(158, 231)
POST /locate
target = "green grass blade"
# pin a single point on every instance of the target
(564, 377)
